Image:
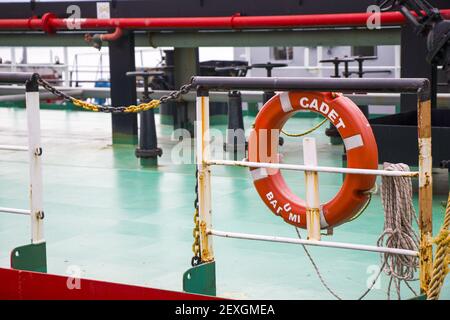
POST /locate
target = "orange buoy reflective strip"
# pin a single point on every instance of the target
(360, 145)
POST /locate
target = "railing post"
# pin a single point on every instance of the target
(312, 190)
(425, 192)
(201, 278)
(35, 153)
(204, 174)
(235, 133)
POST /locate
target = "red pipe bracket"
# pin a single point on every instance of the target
(237, 14)
(46, 23)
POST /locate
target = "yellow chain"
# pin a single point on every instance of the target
(196, 235)
(153, 104)
(85, 105)
(143, 106)
(130, 109)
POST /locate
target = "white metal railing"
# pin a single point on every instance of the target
(329, 244)
(34, 149)
(376, 99)
(204, 188)
(299, 167)
(13, 148)
(15, 211)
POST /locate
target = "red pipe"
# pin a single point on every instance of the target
(50, 22)
(235, 22)
(111, 36)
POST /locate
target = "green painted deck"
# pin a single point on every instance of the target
(123, 223)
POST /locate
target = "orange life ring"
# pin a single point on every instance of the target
(358, 139)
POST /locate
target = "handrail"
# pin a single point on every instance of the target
(13, 148)
(419, 86)
(328, 244)
(15, 77)
(26, 212)
(36, 211)
(299, 167)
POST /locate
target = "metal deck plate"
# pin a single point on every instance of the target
(30, 257)
(201, 279)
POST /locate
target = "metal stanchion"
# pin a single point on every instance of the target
(148, 150)
(235, 141)
(269, 67)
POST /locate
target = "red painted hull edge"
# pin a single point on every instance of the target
(26, 285)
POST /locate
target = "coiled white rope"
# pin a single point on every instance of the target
(399, 214)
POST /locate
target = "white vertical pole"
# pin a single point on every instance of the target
(425, 193)
(306, 57)
(397, 61)
(204, 176)
(66, 69)
(13, 59)
(35, 152)
(248, 57)
(319, 57)
(312, 190)
(24, 55)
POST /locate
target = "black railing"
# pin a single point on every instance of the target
(15, 77)
(406, 85)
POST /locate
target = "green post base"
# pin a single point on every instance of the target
(336, 141)
(166, 119)
(252, 109)
(344, 164)
(149, 162)
(123, 138)
(30, 257)
(218, 119)
(201, 279)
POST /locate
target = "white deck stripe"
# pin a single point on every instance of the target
(258, 174)
(353, 142)
(323, 221)
(285, 102)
